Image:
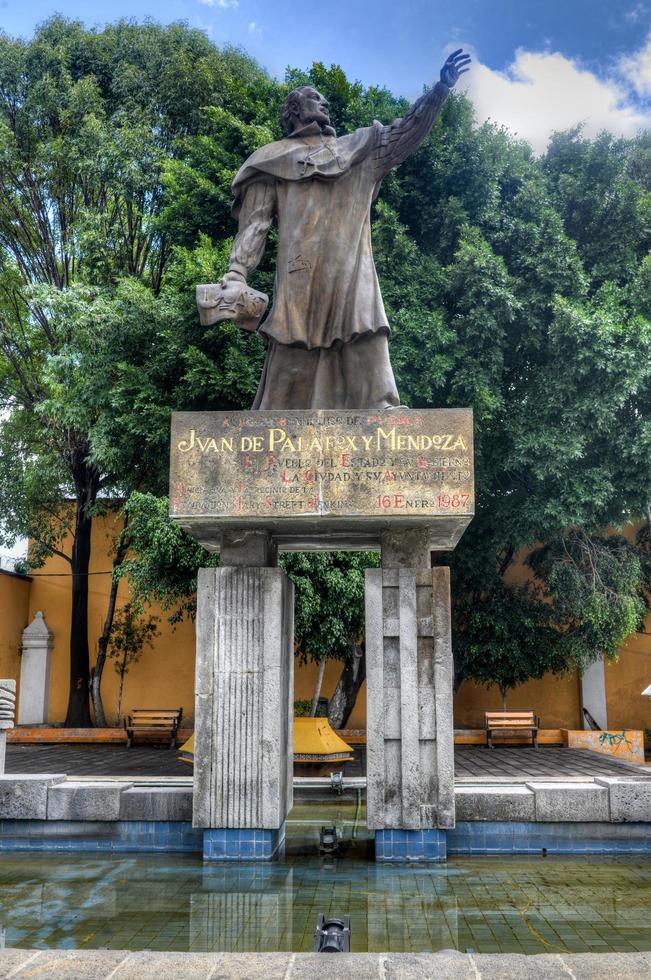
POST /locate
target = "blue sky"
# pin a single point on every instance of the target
(538, 65)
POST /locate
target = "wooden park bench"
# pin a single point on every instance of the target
(161, 723)
(513, 722)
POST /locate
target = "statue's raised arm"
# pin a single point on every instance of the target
(327, 330)
(403, 136)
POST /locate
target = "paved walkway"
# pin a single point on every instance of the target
(473, 763)
(96, 760)
(66, 964)
(520, 764)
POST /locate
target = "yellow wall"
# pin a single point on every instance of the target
(14, 606)
(556, 700)
(626, 679)
(164, 677)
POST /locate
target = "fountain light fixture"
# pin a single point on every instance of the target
(332, 935)
(328, 840)
(337, 783)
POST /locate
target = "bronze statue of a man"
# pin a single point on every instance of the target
(327, 331)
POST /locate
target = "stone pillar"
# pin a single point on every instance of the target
(7, 709)
(243, 755)
(593, 694)
(35, 673)
(410, 747)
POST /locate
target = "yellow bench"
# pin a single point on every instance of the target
(518, 722)
(153, 722)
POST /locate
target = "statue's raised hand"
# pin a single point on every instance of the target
(455, 67)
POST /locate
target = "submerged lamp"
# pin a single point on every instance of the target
(328, 841)
(332, 935)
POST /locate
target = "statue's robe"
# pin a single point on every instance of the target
(327, 329)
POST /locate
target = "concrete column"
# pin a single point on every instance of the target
(244, 709)
(7, 709)
(35, 673)
(593, 694)
(410, 744)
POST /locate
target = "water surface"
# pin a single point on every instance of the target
(174, 902)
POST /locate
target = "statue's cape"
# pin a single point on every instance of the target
(303, 157)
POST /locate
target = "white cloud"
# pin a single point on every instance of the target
(224, 4)
(637, 12)
(253, 28)
(636, 68)
(544, 91)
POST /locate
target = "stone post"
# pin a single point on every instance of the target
(35, 673)
(7, 709)
(593, 694)
(410, 749)
(244, 716)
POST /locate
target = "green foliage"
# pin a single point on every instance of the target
(99, 337)
(302, 708)
(164, 561)
(506, 636)
(129, 637)
(329, 589)
(511, 287)
(130, 634)
(515, 285)
(329, 586)
(596, 588)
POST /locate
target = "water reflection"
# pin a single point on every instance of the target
(174, 902)
(243, 908)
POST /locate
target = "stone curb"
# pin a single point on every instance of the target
(66, 964)
(56, 797)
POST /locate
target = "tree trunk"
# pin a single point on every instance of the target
(102, 643)
(86, 485)
(503, 692)
(78, 714)
(345, 694)
(123, 670)
(95, 688)
(317, 688)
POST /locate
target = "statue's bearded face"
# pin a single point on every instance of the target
(313, 107)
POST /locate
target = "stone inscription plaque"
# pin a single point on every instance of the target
(279, 468)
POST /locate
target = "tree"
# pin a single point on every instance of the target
(129, 636)
(506, 636)
(329, 619)
(508, 279)
(92, 343)
(597, 589)
(507, 291)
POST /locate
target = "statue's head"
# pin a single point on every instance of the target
(302, 106)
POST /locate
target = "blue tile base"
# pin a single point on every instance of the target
(485, 837)
(478, 837)
(511, 837)
(79, 835)
(243, 844)
(410, 845)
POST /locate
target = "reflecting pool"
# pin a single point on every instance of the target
(174, 902)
